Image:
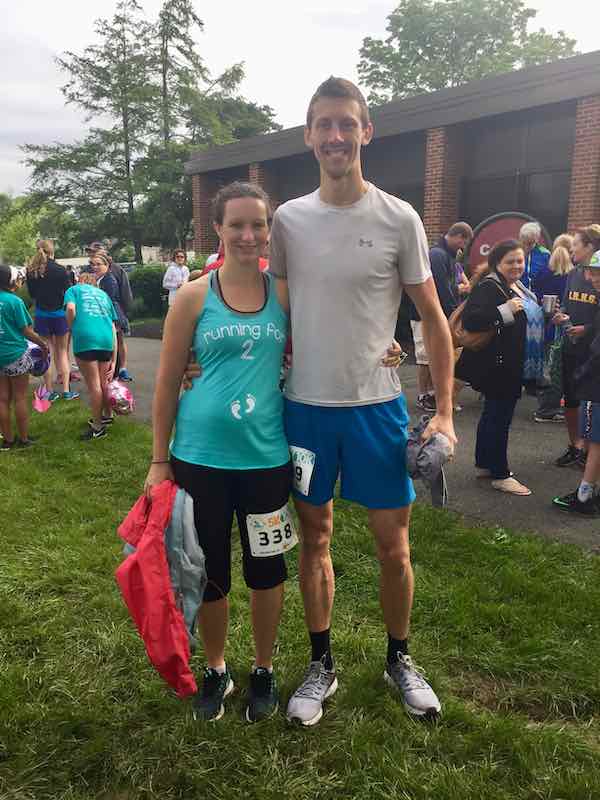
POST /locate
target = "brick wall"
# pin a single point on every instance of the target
(443, 169)
(265, 177)
(584, 198)
(203, 190)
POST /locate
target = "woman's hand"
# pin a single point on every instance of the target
(109, 371)
(157, 474)
(515, 304)
(395, 355)
(576, 332)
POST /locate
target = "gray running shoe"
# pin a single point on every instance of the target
(419, 698)
(306, 704)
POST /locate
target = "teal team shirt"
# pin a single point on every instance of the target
(13, 318)
(94, 317)
(232, 417)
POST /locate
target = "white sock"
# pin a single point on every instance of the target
(221, 669)
(585, 491)
(269, 669)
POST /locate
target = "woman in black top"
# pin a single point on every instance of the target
(47, 283)
(497, 370)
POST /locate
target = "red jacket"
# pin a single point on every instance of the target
(145, 584)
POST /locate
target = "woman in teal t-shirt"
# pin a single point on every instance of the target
(15, 362)
(229, 451)
(91, 317)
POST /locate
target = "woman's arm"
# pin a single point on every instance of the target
(70, 314)
(180, 324)
(484, 308)
(32, 336)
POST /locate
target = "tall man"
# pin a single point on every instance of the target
(347, 250)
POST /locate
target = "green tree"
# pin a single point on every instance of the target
(18, 233)
(435, 44)
(112, 79)
(195, 109)
(126, 181)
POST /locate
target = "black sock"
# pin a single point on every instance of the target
(321, 648)
(396, 646)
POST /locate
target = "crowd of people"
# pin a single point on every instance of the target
(82, 312)
(240, 447)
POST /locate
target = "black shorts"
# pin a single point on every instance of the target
(217, 495)
(95, 355)
(569, 365)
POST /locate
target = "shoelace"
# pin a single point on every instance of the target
(409, 675)
(315, 681)
(262, 681)
(212, 680)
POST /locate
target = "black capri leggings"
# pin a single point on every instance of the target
(217, 494)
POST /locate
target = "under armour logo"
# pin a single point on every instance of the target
(365, 242)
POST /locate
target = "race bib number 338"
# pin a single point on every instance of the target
(271, 534)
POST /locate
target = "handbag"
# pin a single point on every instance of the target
(470, 340)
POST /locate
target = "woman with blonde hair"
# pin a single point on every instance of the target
(47, 283)
(552, 279)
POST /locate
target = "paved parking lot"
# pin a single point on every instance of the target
(532, 450)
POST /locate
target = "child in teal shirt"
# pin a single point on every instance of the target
(91, 317)
(15, 362)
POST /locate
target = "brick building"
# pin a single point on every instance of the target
(525, 141)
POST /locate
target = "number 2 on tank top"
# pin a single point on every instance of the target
(247, 349)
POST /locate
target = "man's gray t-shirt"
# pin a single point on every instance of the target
(345, 268)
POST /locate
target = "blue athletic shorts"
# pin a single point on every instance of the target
(364, 445)
(589, 421)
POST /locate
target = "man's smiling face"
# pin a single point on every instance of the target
(336, 135)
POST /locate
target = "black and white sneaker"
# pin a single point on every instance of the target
(573, 505)
(553, 416)
(93, 433)
(263, 697)
(5, 445)
(419, 698)
(105, 421)
(426, 402)
(572, 455)
(209, 703)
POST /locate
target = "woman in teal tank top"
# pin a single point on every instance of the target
(229, 450)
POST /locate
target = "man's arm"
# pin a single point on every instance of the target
(441, 354)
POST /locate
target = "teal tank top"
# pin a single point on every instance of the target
(232, 417)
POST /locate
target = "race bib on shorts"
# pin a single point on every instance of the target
(271, 534)
(304, 463)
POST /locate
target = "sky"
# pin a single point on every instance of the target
(288, 48)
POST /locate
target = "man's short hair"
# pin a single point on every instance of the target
(530, 231)
(461, 229)
(339, 87)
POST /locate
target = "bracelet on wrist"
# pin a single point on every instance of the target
(161, 462)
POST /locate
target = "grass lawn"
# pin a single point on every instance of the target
(507, 628)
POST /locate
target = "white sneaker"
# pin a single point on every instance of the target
(511, 486)
(419, 698)
(306, 704)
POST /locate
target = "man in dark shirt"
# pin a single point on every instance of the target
(442, 258)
